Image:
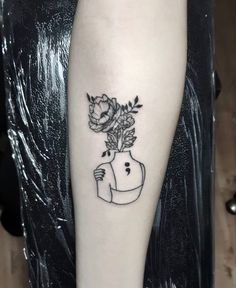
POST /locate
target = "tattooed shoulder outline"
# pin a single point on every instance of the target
(119, 181)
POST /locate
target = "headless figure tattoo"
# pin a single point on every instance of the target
(119, 181)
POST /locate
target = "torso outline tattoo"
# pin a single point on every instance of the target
(119, 181)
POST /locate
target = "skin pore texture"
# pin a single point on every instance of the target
(121, 50)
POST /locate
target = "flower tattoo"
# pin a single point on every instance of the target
(121, 180)
(108, 116)
(103, 113)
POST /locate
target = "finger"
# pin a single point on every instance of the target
(99, 173)
(99, 170)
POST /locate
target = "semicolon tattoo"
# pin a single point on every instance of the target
(119, 180)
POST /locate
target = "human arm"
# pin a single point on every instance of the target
(122, 49)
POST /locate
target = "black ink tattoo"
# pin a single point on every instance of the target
(119, 181)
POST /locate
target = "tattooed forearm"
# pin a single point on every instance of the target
(120, 180)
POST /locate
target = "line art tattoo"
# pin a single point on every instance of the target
(119, 181)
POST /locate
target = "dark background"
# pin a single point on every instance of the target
(36, 42)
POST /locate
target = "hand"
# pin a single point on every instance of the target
(99, 174)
